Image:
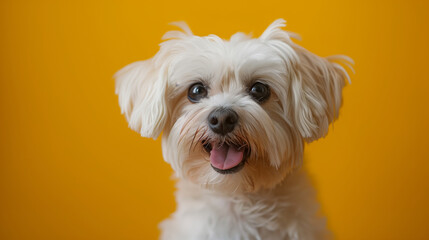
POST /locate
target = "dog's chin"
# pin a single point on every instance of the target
(226, 158)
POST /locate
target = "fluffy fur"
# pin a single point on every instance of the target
(270, 198)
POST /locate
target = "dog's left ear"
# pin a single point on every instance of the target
(142, 91)
(316, 83)
(316, 93)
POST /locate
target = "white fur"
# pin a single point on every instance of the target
(270, 198)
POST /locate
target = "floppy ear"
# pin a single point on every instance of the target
(316, 93)
(316, 83)
(141, 87)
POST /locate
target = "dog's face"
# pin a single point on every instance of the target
(234, 114)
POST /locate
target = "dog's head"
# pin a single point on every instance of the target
(234, 114)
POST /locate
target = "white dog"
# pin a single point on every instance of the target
(235, 115)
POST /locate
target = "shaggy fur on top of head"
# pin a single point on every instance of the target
(269, 197)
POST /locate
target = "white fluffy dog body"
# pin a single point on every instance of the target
(235, 115)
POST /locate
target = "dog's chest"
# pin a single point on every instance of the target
(202, 215)
(287, 212)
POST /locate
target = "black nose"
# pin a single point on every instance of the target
(222, 120)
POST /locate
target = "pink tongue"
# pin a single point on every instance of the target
(225, 157)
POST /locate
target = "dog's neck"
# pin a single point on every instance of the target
(295, 185)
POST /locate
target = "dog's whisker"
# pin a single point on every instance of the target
(199, 139)
(186, 124)
(192, 141)
(203, 135)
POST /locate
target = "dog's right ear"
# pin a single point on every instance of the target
(141, 87)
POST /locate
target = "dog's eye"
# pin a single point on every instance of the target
(260, 92)
(196, 92)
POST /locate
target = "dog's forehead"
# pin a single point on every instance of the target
(220, 63)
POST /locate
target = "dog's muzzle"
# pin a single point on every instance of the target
(225, 157)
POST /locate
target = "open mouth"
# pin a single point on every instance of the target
(226, 158)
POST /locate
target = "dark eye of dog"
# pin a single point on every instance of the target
(260, 92)
(196, 92)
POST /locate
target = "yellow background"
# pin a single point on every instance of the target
(71, 169)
